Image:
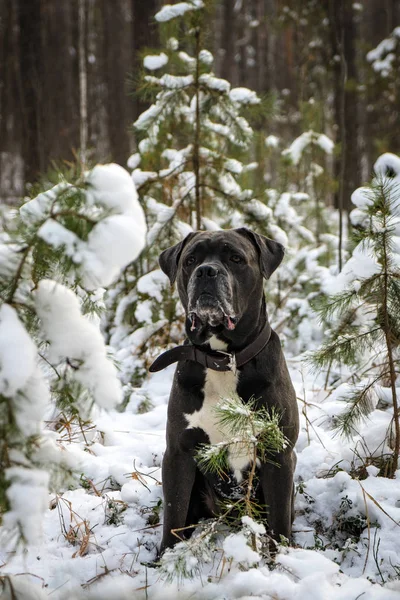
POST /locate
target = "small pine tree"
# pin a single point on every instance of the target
(194, 131)
(365, 304)
(58, 249)
(255, 432)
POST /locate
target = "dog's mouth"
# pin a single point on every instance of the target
(210, 310)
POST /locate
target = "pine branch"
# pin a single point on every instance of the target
(345, 349)
(19, 273)
(213, 458)
(360, 406)
(252, 430)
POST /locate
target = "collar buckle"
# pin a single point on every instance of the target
(232, 360)
(232, 363)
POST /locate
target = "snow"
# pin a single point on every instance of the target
(172, 44)
(188, 60)
(244, 96)
(20, 377)
(215, 83)
(23, 384)
(58, 236)
(383, 56)
(73, 337)
(206, 57)
(362, 264)
(134, 160)
(255, 527)
(38, 208)
(176, 82)
(300, 573)
(152, 62)
(362, 198)
(296, 149)
(388, 162)
(236, 546)
(171, 11)
(132, 441)
(111, 186)
(272, 141)
(116, 238)
(152, 283)
(24, 483)
(147, 117)
(16, 349)
(234, 166)
(112, 244)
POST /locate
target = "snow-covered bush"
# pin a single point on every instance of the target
(363, 304)
(59, 251)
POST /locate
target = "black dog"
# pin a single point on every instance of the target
(220, 282)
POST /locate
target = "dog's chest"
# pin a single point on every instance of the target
(217, 386)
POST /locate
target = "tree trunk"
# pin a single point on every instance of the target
(117, 64)
(343, 42)
(145, 34)
(30, 71)
(11, 164)
(227, 42)
(83, 116)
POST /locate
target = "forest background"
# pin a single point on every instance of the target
(309, 56)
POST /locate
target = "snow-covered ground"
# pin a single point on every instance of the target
(101, 537)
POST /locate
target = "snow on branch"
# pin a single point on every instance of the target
(152, 62)
(73, 337)
(171, 11)
(109, 206)
(296, 149)
(25, 394)
(382, 58)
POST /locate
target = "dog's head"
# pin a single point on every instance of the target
(219, 276)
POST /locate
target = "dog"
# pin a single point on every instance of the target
(219, 276)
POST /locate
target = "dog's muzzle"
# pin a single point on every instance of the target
(210, 297)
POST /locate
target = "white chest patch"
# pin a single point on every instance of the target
(216, 387)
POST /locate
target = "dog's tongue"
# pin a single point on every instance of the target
(193, 321)
(231, 322)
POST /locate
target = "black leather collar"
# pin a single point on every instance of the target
(217, 360)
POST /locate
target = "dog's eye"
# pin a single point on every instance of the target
(236, 258)
(189, 261)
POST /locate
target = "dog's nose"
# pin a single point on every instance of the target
(206, 271)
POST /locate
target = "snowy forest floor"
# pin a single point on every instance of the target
(101, 537)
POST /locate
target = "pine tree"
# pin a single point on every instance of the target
(188, 171)
(194, 124)
(57, 251)
(365, 308)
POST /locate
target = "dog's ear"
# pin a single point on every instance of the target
(270, 253)
(169, 259)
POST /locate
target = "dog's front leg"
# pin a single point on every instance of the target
(277, 487)
(179, 470)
